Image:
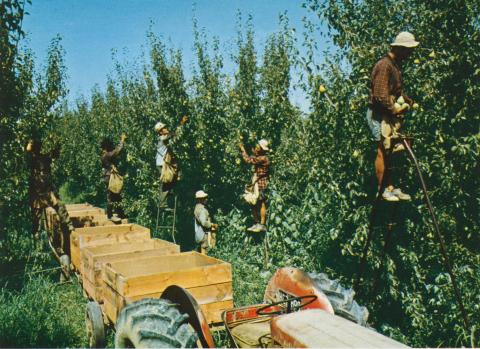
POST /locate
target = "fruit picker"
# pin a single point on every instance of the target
(387, 106)
(165, 159)
(109, 158)
(261, 164)
(43, 194)
(205, 230)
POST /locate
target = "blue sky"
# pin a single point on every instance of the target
(92, 28)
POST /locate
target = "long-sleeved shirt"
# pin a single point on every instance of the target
(165, 143)
(386, 87)
(203, 223)
(41, 172)
(262, 168)
(108, 159)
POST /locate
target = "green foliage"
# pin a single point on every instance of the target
(11, 92)
(448, 120)
(323, 184)
(11, 96)
(42, 314)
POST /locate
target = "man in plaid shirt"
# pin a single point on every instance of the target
(262, 167)
(384, 114)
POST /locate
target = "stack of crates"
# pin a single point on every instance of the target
(121, 263)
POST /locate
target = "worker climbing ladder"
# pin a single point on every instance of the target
(167, 219)
(390, 225)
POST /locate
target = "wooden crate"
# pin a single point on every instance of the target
(94, 258)
(93, 221)
(71, 207)
(85, 216)
(103, 235)
(86, 212)
(209, 280)
(89, 288)
(81, 215)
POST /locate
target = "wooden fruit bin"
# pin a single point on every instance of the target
(72, 207)
(103, 235)
(208, 280)
(95, 258)
(81, 215)
(88, 216)
(84, 210)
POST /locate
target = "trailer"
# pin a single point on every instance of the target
(119, 265)
(154, 296)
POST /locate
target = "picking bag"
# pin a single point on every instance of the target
(115, 183)
(169, 170)
(251, 191)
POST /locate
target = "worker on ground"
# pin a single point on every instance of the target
(385, 114)
(205, 230)
(262, 166)
(165, 160)
(109, 160)
(43, 194)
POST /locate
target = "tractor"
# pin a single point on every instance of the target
(300, 310)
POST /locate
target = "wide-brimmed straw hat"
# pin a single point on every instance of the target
(159, 125)
(200, 194)
(263, 143)
(405, 39)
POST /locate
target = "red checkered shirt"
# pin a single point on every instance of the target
(386, 87)
(262, 166)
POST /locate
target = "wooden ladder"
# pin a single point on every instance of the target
(167, 218)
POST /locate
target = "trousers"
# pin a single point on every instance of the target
(164, 191)
(39, 204)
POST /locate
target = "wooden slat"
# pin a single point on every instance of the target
(86, 212)
(187, 278)
(79, 214)
(203, 294)
(95, 222)
(92, 265)
(208, 280)
(94, 292)
(212, 310)
(110, 311)
(109, 295)
(187, 260)
(107, 239)
(94, 272)
(96, 236)
(212, 293)
(100, 230)
(93, 258)
(72, 207)
(189, 269)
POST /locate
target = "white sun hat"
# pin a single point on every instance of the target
(405, 39)
(200, 194)
(159, 125)
(263, 143)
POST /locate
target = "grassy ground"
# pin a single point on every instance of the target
(43, 314)
(38, 311)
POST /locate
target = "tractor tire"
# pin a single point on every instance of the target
(95, 326)
(341, 299)
(154, 323)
